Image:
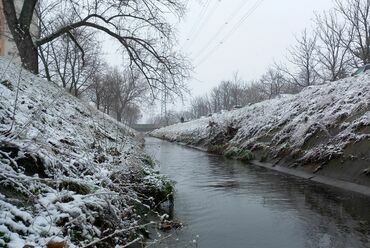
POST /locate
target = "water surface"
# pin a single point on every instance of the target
(225, 203)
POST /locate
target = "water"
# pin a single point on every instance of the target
(226, 203)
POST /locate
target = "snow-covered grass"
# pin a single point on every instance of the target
(324, 129)
(68, 173)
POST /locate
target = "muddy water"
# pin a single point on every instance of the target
(225, 203)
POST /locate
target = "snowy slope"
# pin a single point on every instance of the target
(68, 173)
(325, 129)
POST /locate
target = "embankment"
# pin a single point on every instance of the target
(70, 176)
(322, 132)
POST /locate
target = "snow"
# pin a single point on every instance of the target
(319, 123)
(63, 165)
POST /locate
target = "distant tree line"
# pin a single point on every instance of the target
(338, 43)
(67, 51)
(119, 93)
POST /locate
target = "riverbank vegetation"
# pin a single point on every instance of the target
(326, 134)
(308, 113)
(70, 175)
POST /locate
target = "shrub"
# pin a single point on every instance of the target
(240, 154)
(245, 155)
(216, 149)
(148, 161)
(231, 152)
(75, 186)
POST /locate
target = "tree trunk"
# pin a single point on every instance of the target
(20, 30)
(119, 113)
(119, 116)
(97, 100)
(28, 53)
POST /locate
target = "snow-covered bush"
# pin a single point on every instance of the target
(68, 173)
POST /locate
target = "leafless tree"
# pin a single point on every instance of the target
(200, 106)
(237, 90)
(97, 88)
(302, 57)
(333, 47)
(121, 91)
(227, 94)
(271, 84)
(64, 62)
(356, 14)
(225, 89)
(132, 114)
(215, 100)
(139, 26)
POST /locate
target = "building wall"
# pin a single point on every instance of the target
(7, 45)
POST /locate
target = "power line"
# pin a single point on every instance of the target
(198, 19)
(236, 27)
(231, 17)
(204, 21)
(232, 31)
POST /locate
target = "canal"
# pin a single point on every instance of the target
(226, 203)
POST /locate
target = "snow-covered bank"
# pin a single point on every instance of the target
(323, 130)
(68, 173)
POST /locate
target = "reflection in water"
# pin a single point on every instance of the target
(230, 204)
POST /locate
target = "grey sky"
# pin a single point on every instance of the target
(262, 38)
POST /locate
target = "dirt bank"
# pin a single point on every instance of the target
(69, 175)
(324, 131)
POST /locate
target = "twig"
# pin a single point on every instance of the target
(16, 99)
(12, 161)
(116, 233)
(132, 242)
(159, 241)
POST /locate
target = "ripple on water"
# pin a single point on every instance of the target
(231, 204)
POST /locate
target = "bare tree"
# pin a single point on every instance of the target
(120, 91)
(200, 106)
(253, 93)
(333, 48)
(237, 90)
(97, 89)
(132, 114)
(271, 84)
(215, 100)
(227, 94)
(71, 65)
(356, 14)
(302, 57)
(225, 88)
(139, 26)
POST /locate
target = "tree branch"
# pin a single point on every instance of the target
(78, 46)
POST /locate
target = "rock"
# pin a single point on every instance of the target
(53, 244)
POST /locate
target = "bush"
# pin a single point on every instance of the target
(216, 149)
(148, 161)
(245, 155)
(240, 154)
(231, 152)
(75, 186)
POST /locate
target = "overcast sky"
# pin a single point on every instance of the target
(248, 35)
